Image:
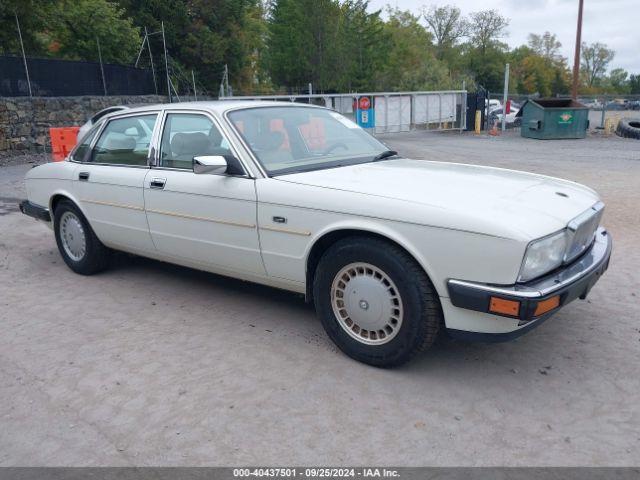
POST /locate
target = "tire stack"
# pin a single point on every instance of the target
(629, 128)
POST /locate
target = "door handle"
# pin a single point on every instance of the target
(157, 183)
(83, 176)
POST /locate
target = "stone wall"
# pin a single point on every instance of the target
(25, 122)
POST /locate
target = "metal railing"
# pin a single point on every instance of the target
(393, 111)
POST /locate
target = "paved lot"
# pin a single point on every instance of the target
(151, 364)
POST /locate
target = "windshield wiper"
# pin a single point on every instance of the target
(385, 154)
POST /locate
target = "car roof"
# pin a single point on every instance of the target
(219, 106)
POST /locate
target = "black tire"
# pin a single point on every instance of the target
(96, 255)
(422, 316)
(629, 128)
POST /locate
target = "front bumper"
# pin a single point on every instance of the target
(35, 211)
(567, 284)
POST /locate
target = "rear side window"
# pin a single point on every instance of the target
(125, 141)
(81, 151)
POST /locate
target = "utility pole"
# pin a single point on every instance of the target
(226, 78)
(24, 57)
(166, 62)
(153, 70)
(504, 97)
(141, 47)
(104, 81)
(576, 59)
(193, 79)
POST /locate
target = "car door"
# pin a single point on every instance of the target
(204, 219)
(110, 178)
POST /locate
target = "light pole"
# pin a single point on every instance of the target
(576, 59)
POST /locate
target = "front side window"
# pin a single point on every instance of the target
(188, 135)
(294, 139)
(125, 141)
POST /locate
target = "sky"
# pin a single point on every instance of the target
(613, 22)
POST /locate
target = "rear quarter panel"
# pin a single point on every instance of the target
(45, 181)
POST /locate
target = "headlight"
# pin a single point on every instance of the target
(543, 255)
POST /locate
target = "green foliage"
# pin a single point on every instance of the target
(77, 26)
(337, 46)
(283, 45)
(69, 29)
(634, 84)
(595, 60)
(538, 68)
(546, 45)
(486, 29)
(617, 80)
(300, 41)
(448, 27)
(204, 35)
(33, 16)
(363, 47)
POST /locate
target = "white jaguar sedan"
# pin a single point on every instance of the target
(390, 250)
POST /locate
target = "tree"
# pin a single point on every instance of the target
(151, 13)
(363, 47)
(411, 63)
(336, 45)
(535, 76)
(595, 60)
(486, 28)
(618, 80)
(253, 77)
(75, 28)
(485, 55)
(204, 36)
(30, 23)
(634, 84)
(545, 45)
(447, 26)
(299, 42)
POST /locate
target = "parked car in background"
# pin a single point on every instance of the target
(634, 105)
(97, 117)
(515, 106)
(593, 103)
(390, 250)
(493, 104)
(511, 119)
(618, 104)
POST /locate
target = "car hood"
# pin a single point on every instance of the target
(475, 198)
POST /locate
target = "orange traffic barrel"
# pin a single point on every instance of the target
(62, 141)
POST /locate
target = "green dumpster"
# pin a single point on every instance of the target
(553, 118)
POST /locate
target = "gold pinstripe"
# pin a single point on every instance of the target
(109, 204)
(303, 233)
(204, 219)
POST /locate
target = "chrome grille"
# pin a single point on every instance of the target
(582, 230)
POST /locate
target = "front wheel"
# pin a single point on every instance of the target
(375, 302)
(81, 250)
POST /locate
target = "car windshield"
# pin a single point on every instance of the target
(297, 139)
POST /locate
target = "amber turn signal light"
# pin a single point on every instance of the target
(547, 305)
(504, 307)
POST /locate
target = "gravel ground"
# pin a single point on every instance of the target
(7, 160)
(152, 364)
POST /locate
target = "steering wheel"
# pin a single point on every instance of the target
(333, 146)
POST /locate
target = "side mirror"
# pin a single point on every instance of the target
(209, 164)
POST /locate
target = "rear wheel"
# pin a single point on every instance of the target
(81, 250)
(375, 302)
